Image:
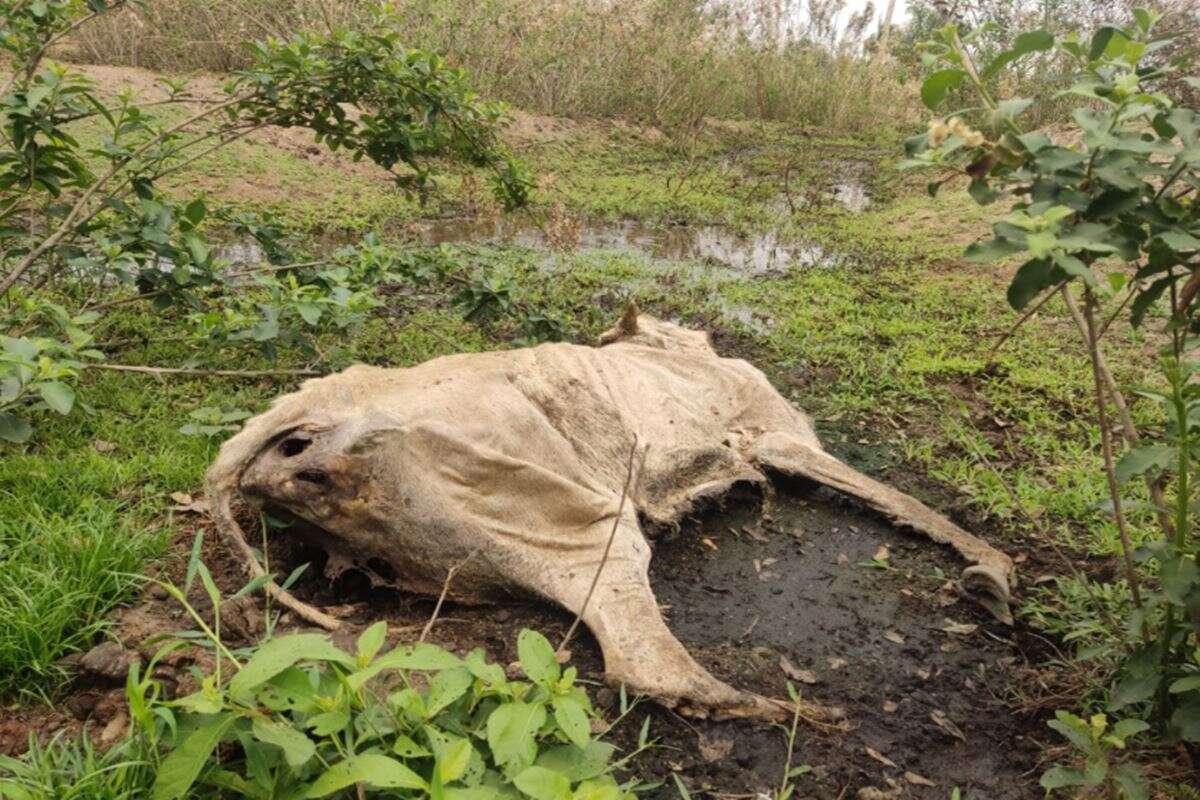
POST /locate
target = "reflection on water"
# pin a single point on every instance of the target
(851, 193)
(753, 254)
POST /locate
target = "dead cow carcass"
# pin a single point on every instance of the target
(519, 459)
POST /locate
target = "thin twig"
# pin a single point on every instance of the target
(225, 275)
(1114, 489)
(1128, 430)
(1037, 307)
(227, 373)
(437, 609)
(608, 546)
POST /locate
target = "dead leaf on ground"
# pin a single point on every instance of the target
(894, 636)
(918, 780)
(101, 446)
(796, 674)
(755, 533)
(880, 757)
(959, 628)
(882, 553)
(942, 721)
(712, 750)
(181, 498)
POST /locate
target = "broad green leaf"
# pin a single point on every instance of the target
(446, 687)
(1076, 730)
(453, 759)
(328, 722)
(1074, 267)
(182, 765)
(537, 658)
(578, 764)
(1135, 688)
(543, 784)
(1178, 576)
(939, 84)
(1031, 279)
(57, 395)
(597, 790)
(421, 656)
(1028, 42)
(1186, 720)
(370, 642)
(510, 732)
(1131, 782)
(405, 746)
(1129, 727)
(1186, 684)
(1143, 459)
(1179, 241)
(379, 771)
(14, 429)
(984, 252)
(278, 654)
(573, 720)
(297, 748)
(309, 312)
(1013, 108)
(491, 674)
(1059, 777)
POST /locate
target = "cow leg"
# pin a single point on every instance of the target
(641, 653)
(990, 571)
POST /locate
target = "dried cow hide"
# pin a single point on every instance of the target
(519, 459)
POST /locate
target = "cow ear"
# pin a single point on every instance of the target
(627, 325)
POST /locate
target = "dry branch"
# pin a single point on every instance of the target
(608, 546)
(224, 373)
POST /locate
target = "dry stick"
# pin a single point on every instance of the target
(1128, 431)
(1093, 345)
(437, 609)
(608, 546)
(230, 373)
(1024, 317)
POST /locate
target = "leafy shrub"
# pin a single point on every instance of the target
(77, 222)
(1115, 215)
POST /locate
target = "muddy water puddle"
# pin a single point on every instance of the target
(918, 670)
(750, 254)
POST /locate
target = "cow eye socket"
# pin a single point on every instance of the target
(293, 446)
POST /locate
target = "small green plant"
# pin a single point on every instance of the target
(1097, 743)
(295, 716)
(786, 785)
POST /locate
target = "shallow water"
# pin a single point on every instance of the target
(752, 254)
